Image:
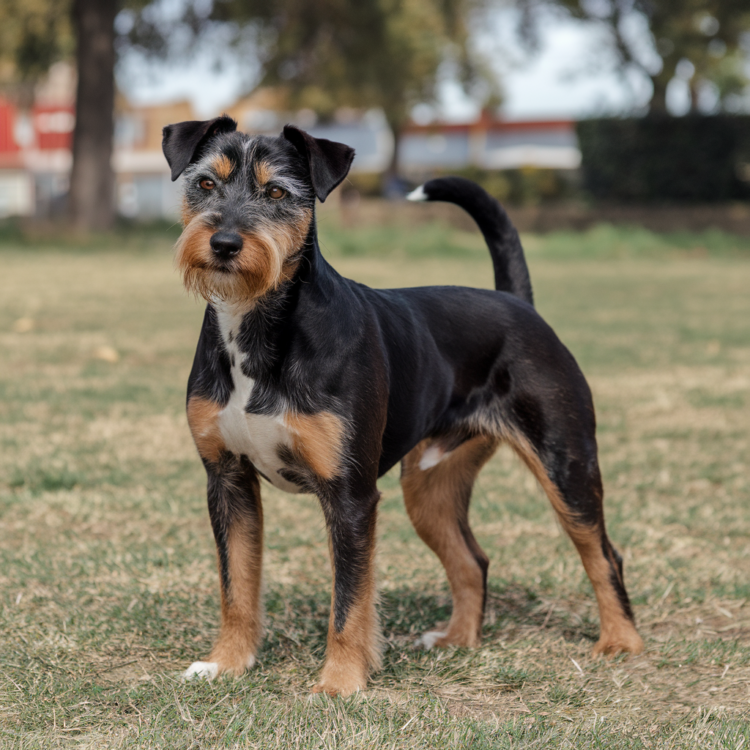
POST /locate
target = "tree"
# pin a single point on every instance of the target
(697, 40)
(92, 179)
(362, 53)
(34, 34)
(366, 53)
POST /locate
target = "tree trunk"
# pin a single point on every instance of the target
(392, 186)
(694, 93)
(395, 162)
(92, 178)
(658, 103)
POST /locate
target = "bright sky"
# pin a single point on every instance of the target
(569, 77)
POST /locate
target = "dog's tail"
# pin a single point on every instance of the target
(511, 271)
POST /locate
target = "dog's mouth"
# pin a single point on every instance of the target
(222, 266)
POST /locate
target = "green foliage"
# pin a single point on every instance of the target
(33, 35)
(362, 53)
(609, 242)
(660, 158)
(707, 34)
(519, 187)
(525, 186)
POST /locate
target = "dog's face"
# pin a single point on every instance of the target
(248, 203)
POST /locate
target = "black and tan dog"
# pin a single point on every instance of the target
(319, 384)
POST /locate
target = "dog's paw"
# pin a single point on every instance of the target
(201, 670)
(626, 642)
(429, 639)
(344, 688)
(342, 677)
(208, 670)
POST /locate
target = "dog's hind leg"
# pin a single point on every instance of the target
(570, 476)
(437, 490)
(236, 513)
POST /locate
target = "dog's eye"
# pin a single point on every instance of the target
(207, 184)
(276, 193)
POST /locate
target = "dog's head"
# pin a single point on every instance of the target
(248, 203)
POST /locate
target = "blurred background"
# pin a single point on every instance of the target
(586, 102)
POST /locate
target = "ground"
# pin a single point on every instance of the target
(108, 583)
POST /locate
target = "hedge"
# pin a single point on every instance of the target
(655, 159)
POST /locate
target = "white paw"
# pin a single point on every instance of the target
(427, 640)
(201, 670)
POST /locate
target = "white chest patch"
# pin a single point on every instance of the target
(256, 436)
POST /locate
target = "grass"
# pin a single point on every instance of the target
(108, 585)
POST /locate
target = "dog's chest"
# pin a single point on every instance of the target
(260, 437)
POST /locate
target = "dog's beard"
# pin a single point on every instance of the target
(266, 261)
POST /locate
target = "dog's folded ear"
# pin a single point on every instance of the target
(183, 142)
(329, 161)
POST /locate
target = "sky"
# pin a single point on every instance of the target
(570, 77)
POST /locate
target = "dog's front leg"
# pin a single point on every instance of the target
(354, 641)
(234, 505)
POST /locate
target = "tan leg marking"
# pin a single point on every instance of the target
(241, 611)
(617, 631)
(202, 415)
(317, 441)
(437, 501)
(357, 649)
(223, 166)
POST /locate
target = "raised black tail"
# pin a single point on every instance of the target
(511, 271)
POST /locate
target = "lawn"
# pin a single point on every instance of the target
(108, 583)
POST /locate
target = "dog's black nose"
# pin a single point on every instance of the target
(226, 244)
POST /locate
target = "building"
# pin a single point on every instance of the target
(490, 143)
(265, 111)
(35, 146)
(35, 153)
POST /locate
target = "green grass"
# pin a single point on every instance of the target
(399, 238)
(108, 585)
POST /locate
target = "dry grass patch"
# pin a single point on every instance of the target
(108, 584)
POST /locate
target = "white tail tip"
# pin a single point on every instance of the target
(417, 195)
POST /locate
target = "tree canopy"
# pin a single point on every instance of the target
(390, 54)
(387, 53)
(703, 42)
(34, 34)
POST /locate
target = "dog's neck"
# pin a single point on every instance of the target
(261, 325)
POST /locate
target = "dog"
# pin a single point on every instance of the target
(319, 384)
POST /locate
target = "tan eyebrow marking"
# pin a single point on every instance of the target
(222, 166)
(263, 172)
